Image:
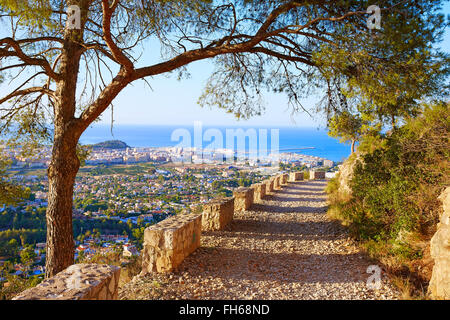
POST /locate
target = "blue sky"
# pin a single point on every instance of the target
(175, 102)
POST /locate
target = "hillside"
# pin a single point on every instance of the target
(388, 192)
(112, 144)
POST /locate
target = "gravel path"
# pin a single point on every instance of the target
(283, 248)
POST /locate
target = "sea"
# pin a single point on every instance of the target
(308, 141)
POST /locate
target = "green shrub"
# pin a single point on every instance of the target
(394, 208)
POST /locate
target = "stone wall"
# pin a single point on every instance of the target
(284, 178)
(439, 287)
(269, 185)
(243, 198)
(169, 242)
(277, 182)
(217, 214)
(259, 191)
(295, 176)
(77, 282)
(317, 175)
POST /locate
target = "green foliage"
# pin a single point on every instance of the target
(10, 192)
(34, 13)
(220, 184)
(333, 185)
(112, 144)
(346, 126)
(15, 285)
(138, 234)
(83, 153)
(27, 256)
(386, 90)
(225, 192)
(395, 186)
(161, 179)
(30, 236)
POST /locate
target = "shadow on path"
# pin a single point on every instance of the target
(268, 248)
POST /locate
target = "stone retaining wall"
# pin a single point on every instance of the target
(217, 214)
(243, 198)
(259, 191)
(317, 175)
(295, 176)
(169, 242)
(439, 287)
(284, 178)
(77, 282)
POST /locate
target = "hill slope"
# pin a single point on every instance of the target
(112, 144)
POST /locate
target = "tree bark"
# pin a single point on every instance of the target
(61, 178)
(353, 146)
(393, 122)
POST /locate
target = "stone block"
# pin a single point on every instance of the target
(243, 199)
(77, 282)
(169, 242)
(295, 176)
(217, 214)
(316, 175)
(269, 185)
(277, 182)
(259, 191)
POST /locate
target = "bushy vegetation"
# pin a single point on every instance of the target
(397, 178)
(16, 284)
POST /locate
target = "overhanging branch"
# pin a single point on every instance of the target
(4, 52)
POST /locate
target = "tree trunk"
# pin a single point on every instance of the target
(61, 178)
(393, 122)
(353, 146)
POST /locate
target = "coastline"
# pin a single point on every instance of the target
(308, 141)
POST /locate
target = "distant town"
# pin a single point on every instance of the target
(118, 152)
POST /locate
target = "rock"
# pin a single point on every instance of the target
(77, 282)
(168, 243)
(217, 214)
(440, 251)
(243, 199)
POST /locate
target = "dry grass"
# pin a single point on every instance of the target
(130, 270)
(408, 290)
